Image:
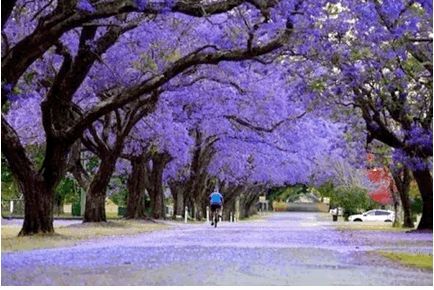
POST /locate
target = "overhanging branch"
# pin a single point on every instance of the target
(198, 57)
(258, 128)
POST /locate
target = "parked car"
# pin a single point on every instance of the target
(375, 215)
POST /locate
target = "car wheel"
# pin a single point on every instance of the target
(357, 220)
(388, 221)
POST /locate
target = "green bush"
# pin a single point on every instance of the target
(416, 206)
(76, 209)
(352, 199)
(122, 211)
(283, 193)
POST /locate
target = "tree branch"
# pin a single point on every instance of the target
(14, 151)
(181, 65)
(273, 127)
(65, 17)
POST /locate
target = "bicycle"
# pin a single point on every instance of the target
(215, 217)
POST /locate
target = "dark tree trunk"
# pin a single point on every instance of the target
(37, 188)
(38, 209)
(199, 181)
(136, 189)
(230, 193)
(175, 197)
(198, 214)
(248, 202)
(96, 194)
(397, 207)
(249, 207)
(188, 202)
(58, 205)
(244, 212)
(95, 207)
(402, 178)
(156, 196)
(177, 189)
(424, 182)
(156, 193)
(178, 203)
(406, 207)
(397, 203)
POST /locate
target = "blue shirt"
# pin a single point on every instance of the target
(216, 198)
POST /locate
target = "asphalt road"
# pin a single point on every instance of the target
(283, 249)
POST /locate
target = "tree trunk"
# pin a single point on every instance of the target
(38, 208)
(250, 207)
(424, 182)
(178, 203)
(136, 190)
(156, 193)
(245, 203)
(95, 197)
(177, 189)
(156, 196)
(37, 188)
(198, 215)
(230, 193)
(402, 178)
(406, 207)
(397, 206)
(249, 203)
(58, 205)
(188, 202)
(95, 207)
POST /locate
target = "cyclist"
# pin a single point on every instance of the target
(216, 201)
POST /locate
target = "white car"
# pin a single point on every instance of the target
(375, 215)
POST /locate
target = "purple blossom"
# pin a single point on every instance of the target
(414, 163)
(421, 137)
(86, 6)
(141, 4)
(7, 88)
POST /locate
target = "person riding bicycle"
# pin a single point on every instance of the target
(216, 201)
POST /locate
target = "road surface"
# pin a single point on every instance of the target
(282, 249)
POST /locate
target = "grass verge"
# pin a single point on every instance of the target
(422, 261)
(72, 234)
(356, 226)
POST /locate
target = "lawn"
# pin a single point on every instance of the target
(372, 226)
(72, 234)
(423, 261)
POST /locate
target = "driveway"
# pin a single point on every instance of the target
(283, 249)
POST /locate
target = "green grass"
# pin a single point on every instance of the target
(423, 261)
(372, 226)
(72, 234)
(109, 215)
